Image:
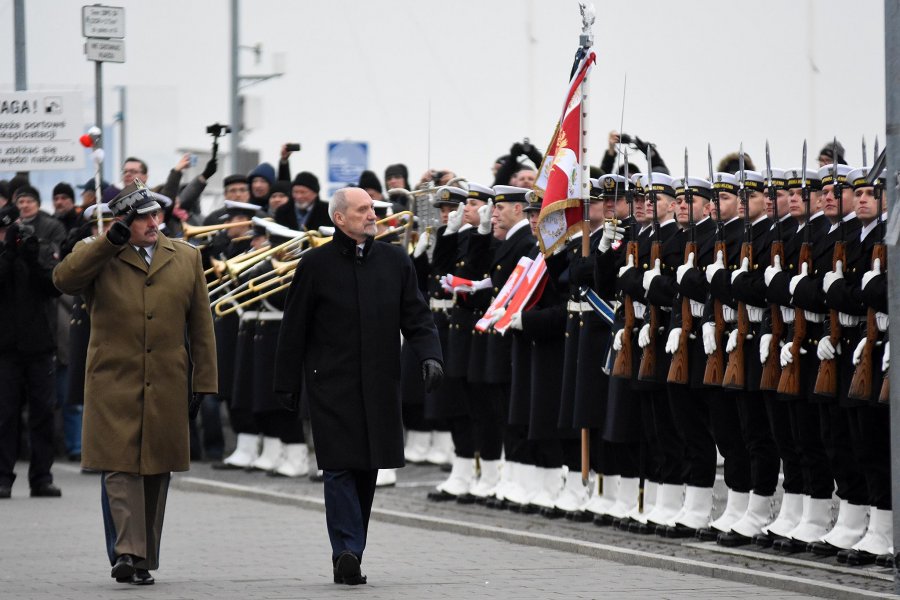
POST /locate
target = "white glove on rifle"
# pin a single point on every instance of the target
(629, 264)
(651, 274)
(422, 244)
(709, 338)
(826, 350)
(644, 336)
(454, 221)
(688, 265)
(731, 344)
(795, 280)
(673, 340)
(714, 268)
(611, 233)
(484, 217)
(787, 357)
(858, 352)
(886, 358)
(832, 276)
(872, 274)
(743, 270)
(617, 340)
(772, 270)
(764, 341)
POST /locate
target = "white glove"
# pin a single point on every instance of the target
(454, 221)
(422, 244)
(482, 284)
(795, 280)
(498, 314)
(857, 352)
(688, 264)
(882, 321)
(787, 357)
(714, 268)
(696, 309)
(484, 217)
(629, 263)
(515, 321)
(743, 270)
(617, 340)
(673, 340)
(755, 314)
(326, 231)
(644, 336)
(870, 275)
(772, 270)
(886, 357)
(651, 274)
(709, 338)
(731, 344)
(611, 233)
(848, 320)
(826, 350)
(764, 341)
(832, 276)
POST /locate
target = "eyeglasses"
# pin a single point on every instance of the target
(131, 171)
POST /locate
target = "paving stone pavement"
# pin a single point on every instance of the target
(219, 546)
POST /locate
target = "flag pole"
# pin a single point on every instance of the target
(586, 40)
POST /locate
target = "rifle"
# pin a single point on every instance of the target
(826, 380)
(789, 383)
(715, 363)
(647, 370)
(771, 371)
(735, 372)
(623, 367)
(861, 384)
(678, 368)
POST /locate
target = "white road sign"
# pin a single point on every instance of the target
(105, 50)
(40, 131)
(103, 21)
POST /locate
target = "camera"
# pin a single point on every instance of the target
(218, 130)
(292, 147)
(437, 176)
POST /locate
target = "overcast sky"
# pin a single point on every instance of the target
(492, 72)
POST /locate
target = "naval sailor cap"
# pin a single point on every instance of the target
(826, 174)
(509, 193)
(105, 213)
(480, 192)
(779, 178)
(795, 179)
(697, 185)
(859, 178)
(753, 180)
(609, 186)
(449, 195)
(659, 183)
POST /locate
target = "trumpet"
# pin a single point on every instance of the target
(191, 231)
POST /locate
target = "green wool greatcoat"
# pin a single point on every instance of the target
(146, 322)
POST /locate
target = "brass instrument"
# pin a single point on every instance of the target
(191, 231)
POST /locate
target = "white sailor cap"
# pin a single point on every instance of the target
(636, 183)
(659, 183)
(233, 208)
(795, 179)
(609, 186)
(753, 180)
(480, 192)
(697, 185)
(450, 196)
(725, 182)
(859, 178)
(826, 174)
(103, 207)
(509, 193)
(779, 178)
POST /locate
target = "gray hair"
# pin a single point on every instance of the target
(338, 203)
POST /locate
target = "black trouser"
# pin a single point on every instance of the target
(348, 505)
(666, 445)
(817, 479)
(27, 380)
(782, 428)
(875, 457)
(841, 438)
(283, 424)
(726, 430)
(242, 420)
(488, 407)
(547, 454)
(764, 463)
(463, 440)
(692, 418)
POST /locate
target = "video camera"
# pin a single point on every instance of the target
(218, 130)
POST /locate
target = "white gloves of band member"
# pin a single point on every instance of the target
(484, 217)
(688, 264)
(644, 336)
(714, 268)
(832, 276)
(611, 233)
(617, 340)
(651, 274)
(454, 221)
(787, 357)
(825, 350)
(709, 338)
(772, 270)
(422, 244)
(764, 341)
(673, 340)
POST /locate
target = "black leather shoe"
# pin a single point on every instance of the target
(822, 549)
(885, 561)
(346, 569)
(789, 546)
(5, 491)
(552, 513)
(123, 569)
(603, 520)
(45, 490)
(142, 577)
(679, 531)
(580, 516)
(708, 534)
(859, 558)
(732, 539)
(764, 540)
(440, 496)
(465, 499)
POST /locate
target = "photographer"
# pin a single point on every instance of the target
(509, 165)
(608, 164)
(27, 322)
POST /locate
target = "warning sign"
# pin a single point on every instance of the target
(40, 131)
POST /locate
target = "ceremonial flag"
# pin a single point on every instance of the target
(503, 296)
(533, 280)
(559, 182)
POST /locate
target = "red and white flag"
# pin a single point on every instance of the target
(560, 177)
(530, 287)
(504, 295)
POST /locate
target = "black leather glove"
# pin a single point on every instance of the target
(288, 400)
(516, 150)
(210, 169)
(120, 231)
(194, 405)
(432, 374)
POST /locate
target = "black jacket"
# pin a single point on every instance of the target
(287, 215)
(27, 313)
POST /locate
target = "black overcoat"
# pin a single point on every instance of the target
(341, 332)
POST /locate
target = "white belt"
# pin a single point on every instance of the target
(813, 317)
(578, 307)
(436, 304)
(254, 315)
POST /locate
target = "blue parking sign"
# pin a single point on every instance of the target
(346, 161)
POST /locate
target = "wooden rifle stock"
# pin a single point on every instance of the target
(715, 363)
(789, 384)
(623, 365)
(771, 371)
(826, 380)
(647, 371)
(678, 368)
(885, 396)
(736, 372)
(861, 384)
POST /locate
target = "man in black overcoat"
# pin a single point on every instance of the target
(349, 301)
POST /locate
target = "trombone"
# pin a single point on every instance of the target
(191, 231)
(233, 267)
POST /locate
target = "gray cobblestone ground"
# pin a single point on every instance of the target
(221, 546)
